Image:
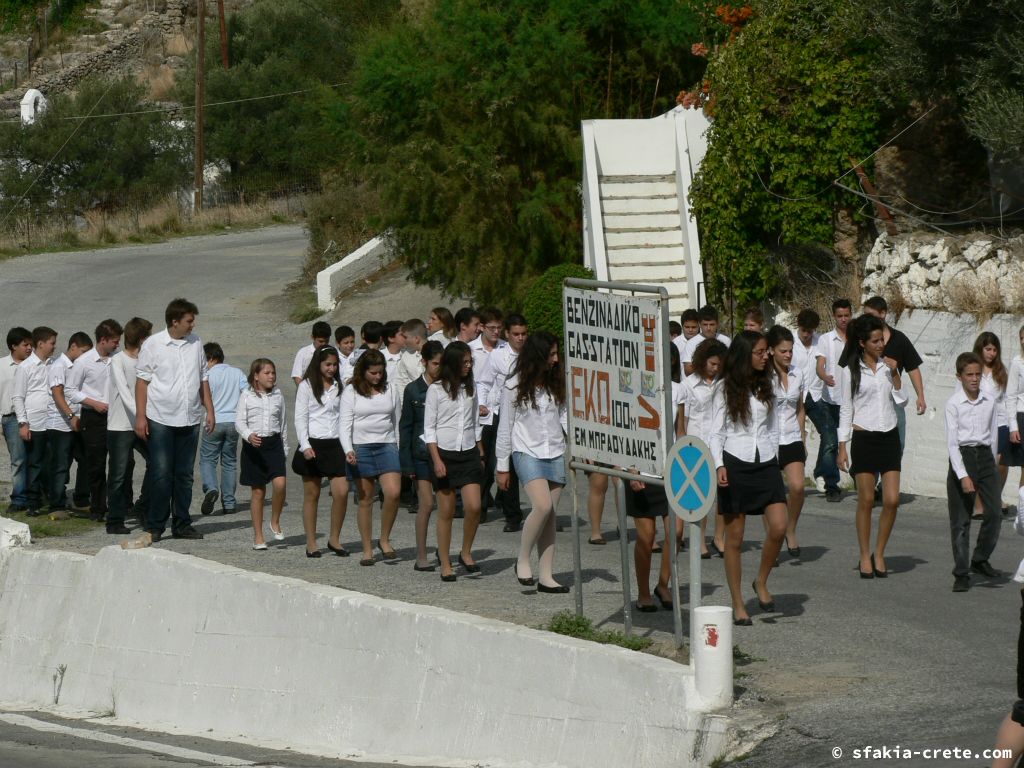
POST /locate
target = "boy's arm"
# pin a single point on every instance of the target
(956, 460)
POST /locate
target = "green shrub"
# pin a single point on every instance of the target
(543, 303)
(569, 624)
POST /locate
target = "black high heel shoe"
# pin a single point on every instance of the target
(555, 590)
(470, 567)
(768, 607)
(313, 554)
(339, 551)
(877, 573)
(528, 582)
(869, 574)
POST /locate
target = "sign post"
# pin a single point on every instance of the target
(691, 485)
(619, 396)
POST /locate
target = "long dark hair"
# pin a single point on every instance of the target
(998, 369)
(677, 367)
(857, 333)
(533, 372)
(705, 351)
(313, 375)
(450, 375)
(741, 380)
(369, 358)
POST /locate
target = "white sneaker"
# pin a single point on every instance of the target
(1018, 524)
(819, 483)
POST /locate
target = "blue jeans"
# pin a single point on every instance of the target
(825, 417)
(36, 473)
(220, 445)
(172, 457)
(19, 459)
(120, 452)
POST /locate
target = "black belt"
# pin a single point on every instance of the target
(5, 415)
(976, 448)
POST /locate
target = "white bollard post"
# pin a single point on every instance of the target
(711, 652)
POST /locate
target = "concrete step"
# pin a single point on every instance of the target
(638, 189)
(632, 222)
(669, 258)
(639, 206)
(637, 178)
(642, 239)
(657, 273)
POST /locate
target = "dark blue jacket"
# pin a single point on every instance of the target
(410, 448)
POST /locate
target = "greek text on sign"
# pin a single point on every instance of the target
(614, 350)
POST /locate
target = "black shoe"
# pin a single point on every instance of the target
(470, 567)
(208, 501)
(512, 527)
(649, 608)
(869, 575)
(118, 528)
(747, 622)
(387, 554)
(985, 569)
(449, 578)
(425, 568)
(34, 513)
(878, 574)
(668, 605)
(833, 494)
(17, 508)
(768, 607)
(528, 582)
(339, 551)
(961, 583)
(558, 589)
(187, 533)
(313, 554)
(714, 550)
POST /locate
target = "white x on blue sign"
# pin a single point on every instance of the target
(690, 479)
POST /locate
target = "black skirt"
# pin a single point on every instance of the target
(651, 502)
(463, 468)
(328, 462)
(875, 452)
(1013, 456)
(752, 486)
(792, 453)
(263, 464)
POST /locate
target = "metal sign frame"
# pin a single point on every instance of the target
(660, 294)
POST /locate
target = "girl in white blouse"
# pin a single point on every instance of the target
(994, 379)
(870, 390)
(451, 429)
(745, 444)
(317, 403)
(370, 413)
(260, 422)
(531, 434)
(790, 388)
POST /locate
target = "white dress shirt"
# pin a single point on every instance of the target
(31, 395)
(175, 370)
(757, 440)
(1014, 400)
(536, 431)
(988, 384)
(686, 354)
(372, 419)
(262, 414)
(410, 368)
(481, 353)
(491, 384)
(89, 378)
(454, 425)
(873, 408)
(391, 361)
(60, 371)
(831, 347)
(8, 366)
(347, 366)
(806, 360)
(316, 420)
(970, 422)
(697, 406)
(302, 360)
(121, 393)
(439, 336)
(787, 403)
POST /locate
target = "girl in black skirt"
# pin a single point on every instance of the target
(994, 378)
(744, 442)
(451, 428)
(790, 389)
(317, 407)
(260, 422)
(871, 390)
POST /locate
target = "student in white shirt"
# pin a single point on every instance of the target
(410, 366)
(790, 388)
(972, 441)
(1014, 403)
(171, 393)
(122, 442)
(531, 436)
(88, 387)
(320, 336)
(19, 343)
(870, 389)
(63, 421)
(260, 420)
(994, 378)
(345, 343)
(699, 389)
(393, 342)
(825, 412)
(317, 408)
(451, 429)
(744, 443)
(708, 316)
(370, 412)
(30, 399)
(441, 326)
(467, 325)
(804, 357)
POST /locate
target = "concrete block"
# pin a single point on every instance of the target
(13, 534)
(371, 257)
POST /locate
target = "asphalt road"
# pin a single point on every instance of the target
(844, 663)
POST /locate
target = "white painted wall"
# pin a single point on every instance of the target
(370, 257)
(168, 640)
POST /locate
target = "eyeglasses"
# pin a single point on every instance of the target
(493, 328)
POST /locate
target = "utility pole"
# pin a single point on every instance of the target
(200, 98)
(223, 34)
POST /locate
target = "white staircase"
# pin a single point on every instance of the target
(638, 229)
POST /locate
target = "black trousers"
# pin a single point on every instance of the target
(94, 443)
(1018, 708)
(981, 468)
(80, 495)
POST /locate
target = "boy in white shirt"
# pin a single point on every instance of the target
(393, 344)
(30, 399)
(320, 336)
(826, 417)
(345, 343)
(410, 366)
(19, 342)
(708, 316)
(63, 421)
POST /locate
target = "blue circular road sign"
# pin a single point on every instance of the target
(691, 483)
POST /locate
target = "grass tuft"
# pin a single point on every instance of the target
(568, 623)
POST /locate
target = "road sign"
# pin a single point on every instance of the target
(691, 482)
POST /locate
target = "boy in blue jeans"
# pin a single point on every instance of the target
(221, 445)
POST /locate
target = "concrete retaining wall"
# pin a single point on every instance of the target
(161, 639)
(361, 263)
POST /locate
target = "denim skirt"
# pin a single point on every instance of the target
(531, 468)
(376, 459)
